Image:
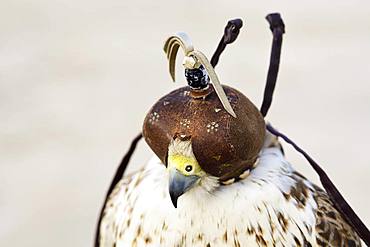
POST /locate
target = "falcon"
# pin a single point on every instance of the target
(219, 176)
(269, 205)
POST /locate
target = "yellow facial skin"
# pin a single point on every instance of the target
(187, 166)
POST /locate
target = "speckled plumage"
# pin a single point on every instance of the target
(273, 206)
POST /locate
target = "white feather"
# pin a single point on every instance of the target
(140, 212)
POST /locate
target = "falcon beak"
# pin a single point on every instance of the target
(179, 184)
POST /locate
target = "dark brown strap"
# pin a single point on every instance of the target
(339, 202)
(231, 32)
(117, 177)
(278, 29)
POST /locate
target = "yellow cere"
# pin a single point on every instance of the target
(180, 162)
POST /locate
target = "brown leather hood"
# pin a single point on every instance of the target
(223, 145)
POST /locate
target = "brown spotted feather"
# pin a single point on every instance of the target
(331, 228)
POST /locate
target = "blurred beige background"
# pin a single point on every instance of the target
(77, 77)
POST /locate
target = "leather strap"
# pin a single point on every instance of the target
(231, 32)
(117, 177)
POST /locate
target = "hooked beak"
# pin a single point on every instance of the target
(179, 184)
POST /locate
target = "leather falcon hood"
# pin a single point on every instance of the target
(224, 146)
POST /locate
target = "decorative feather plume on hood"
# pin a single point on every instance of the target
(193, 59)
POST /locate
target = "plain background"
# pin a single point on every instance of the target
(77, 78)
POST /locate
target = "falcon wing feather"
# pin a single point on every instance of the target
(331, 228)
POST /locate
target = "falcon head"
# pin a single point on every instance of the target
(185, 171)
(205, 133)
(201, 143)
